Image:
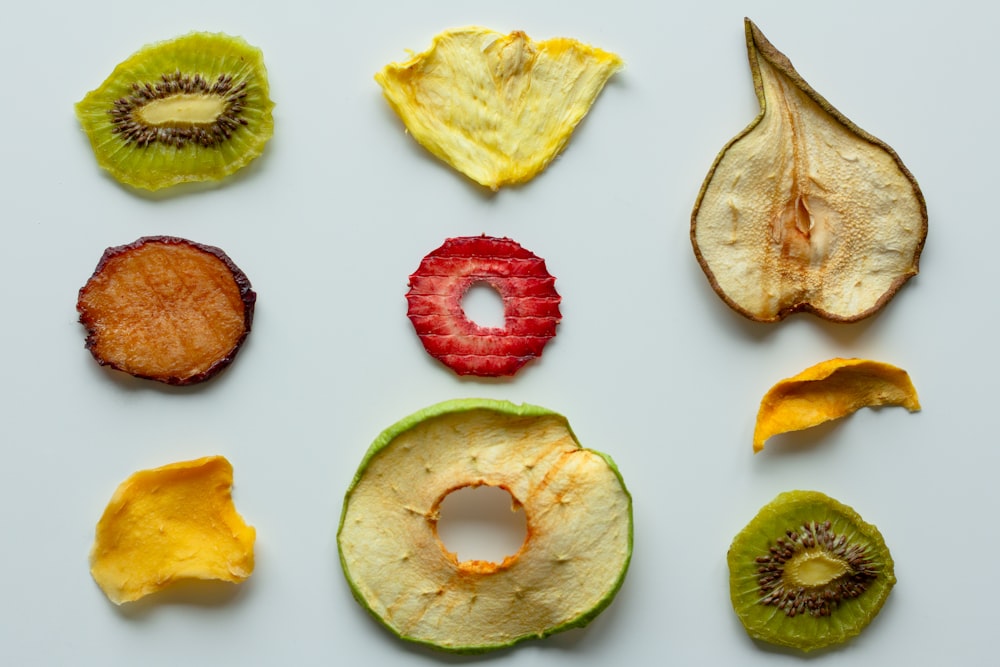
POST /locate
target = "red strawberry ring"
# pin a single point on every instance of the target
(530, 301)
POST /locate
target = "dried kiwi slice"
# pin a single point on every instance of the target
(168, 309)
(195, 108)
(808, 572)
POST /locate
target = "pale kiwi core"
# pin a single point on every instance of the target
(182, 110)
(814, 569)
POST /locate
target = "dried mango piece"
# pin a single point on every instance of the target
(171, 523)
(830, 390)
(803, 210)
(497, 108)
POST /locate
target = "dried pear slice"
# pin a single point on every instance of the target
(808, 572)
(577, 510)
(498, 108)
(804, 210)
(194, 108)
(169, 524)
(830, 390)
(166, 309)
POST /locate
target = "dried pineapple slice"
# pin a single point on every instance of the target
(497, 108)
(830, 390)
(171, 523)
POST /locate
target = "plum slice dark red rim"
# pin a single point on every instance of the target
(530, 303)
(167, 309)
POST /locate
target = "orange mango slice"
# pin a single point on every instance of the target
(168, 524)
(830, 390)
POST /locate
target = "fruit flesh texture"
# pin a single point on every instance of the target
(182, 109)
(830, 390)
(163, 164)
(531, 305)
(169, 524)
(804, 211)
(498, 108)
(789, 511)
(578, 515)
(166, 309)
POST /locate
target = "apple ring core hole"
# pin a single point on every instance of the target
(481, 523)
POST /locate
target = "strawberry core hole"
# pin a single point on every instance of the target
(481, 523)
(483, 305)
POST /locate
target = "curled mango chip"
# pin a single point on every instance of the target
(498, 108)
(171, 523)
(830, 390)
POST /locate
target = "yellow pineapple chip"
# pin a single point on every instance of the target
(497, 108)
(171, 523)
(830, 390)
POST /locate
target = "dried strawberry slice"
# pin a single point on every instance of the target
(530, 301)
(167, 309)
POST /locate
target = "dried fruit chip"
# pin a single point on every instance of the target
(169, 524)
(830, 390)
(577, 510)
(530, 300)
(808, 572)
(803, 210)
(195, 108)
(166, 309)
(497, 108)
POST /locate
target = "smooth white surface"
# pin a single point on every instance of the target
(649, 365)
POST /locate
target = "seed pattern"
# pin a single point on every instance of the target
(776, 590)
(126, 122)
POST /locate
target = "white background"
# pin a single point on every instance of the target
(649, 364)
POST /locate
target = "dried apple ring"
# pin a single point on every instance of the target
(530, 300)
(577, 511)
(171, 523)
(830, 390)
(167, 309)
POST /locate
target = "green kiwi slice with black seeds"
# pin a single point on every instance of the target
(808, 572)
(195, 108)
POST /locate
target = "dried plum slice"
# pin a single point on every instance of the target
(166, 309)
